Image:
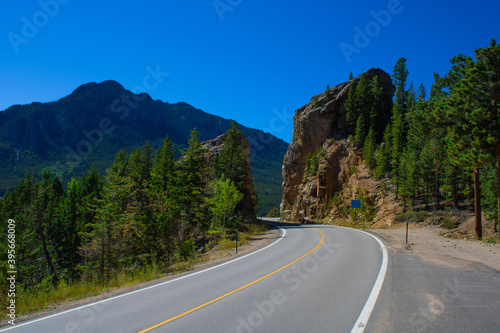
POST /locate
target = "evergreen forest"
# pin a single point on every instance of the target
(150, 209)
(440, 148)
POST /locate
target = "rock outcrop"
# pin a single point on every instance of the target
(322, 123)
(337, 160)
(247, 205)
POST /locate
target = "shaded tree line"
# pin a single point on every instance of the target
(149, 208)
(440, 148)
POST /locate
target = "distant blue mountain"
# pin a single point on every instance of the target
(92, 124)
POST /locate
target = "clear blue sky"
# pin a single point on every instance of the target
(254, 61)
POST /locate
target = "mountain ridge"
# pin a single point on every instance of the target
(96, 120)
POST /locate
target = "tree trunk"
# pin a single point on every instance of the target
(437, 197)
(413, 196)
(454, 188)
(39, 226)
(477, 205)
(498, 189)
(427, 191)
(471, 186)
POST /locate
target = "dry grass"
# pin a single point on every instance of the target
(45, 295)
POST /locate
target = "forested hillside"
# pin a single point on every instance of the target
(428, 151)
(440, 149)
(88, 127)
(150, 209)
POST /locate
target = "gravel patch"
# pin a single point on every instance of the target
(427, 243)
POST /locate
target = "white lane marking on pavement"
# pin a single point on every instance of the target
(360, 324)
(283, 233)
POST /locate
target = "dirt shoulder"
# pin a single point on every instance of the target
(426, 242)
(209, 259)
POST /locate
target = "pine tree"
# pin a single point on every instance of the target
(360, 107)
(472, 113)
(141, 164)
(230, 161)
(383, 158)
(369, 149)
(400, 76)
(192, 176)
(165, 200)
(108, 242)
(25, 210)
(377, 120)
(360, 131)
(92, 191)
(398, 120)
(143, 206)
(163, 170)
(65, 226)
(351, 106)
(419, 124)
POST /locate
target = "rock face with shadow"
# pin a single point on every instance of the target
(321, 125)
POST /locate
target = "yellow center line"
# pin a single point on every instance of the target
(236, 290)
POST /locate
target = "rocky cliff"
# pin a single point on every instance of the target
(319, 129)
(247, 205)
(342, 176)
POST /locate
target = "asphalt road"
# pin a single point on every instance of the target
(312, 279)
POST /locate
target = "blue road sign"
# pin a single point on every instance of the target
(355, 203)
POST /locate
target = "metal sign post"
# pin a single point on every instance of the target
(236, 238)
(356, 204)
(407, 232)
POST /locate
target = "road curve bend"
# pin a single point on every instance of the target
(311, 279)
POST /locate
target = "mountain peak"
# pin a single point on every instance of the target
(108, 85)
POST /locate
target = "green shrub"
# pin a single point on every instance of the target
(449, 223)
(274, 212)
(316, 101)
(383, 187)
(491, 240)
(186, 249)
(353, 171)
(411, 216)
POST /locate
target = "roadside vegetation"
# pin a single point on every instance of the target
(150, 215)
(45, 294)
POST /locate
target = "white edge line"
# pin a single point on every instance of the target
(283, 233)
(362, 321)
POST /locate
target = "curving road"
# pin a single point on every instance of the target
(311, 279)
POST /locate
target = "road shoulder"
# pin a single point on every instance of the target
(209, 259)
(437, 284)
(426, 242)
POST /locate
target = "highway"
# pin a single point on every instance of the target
(310, 279)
